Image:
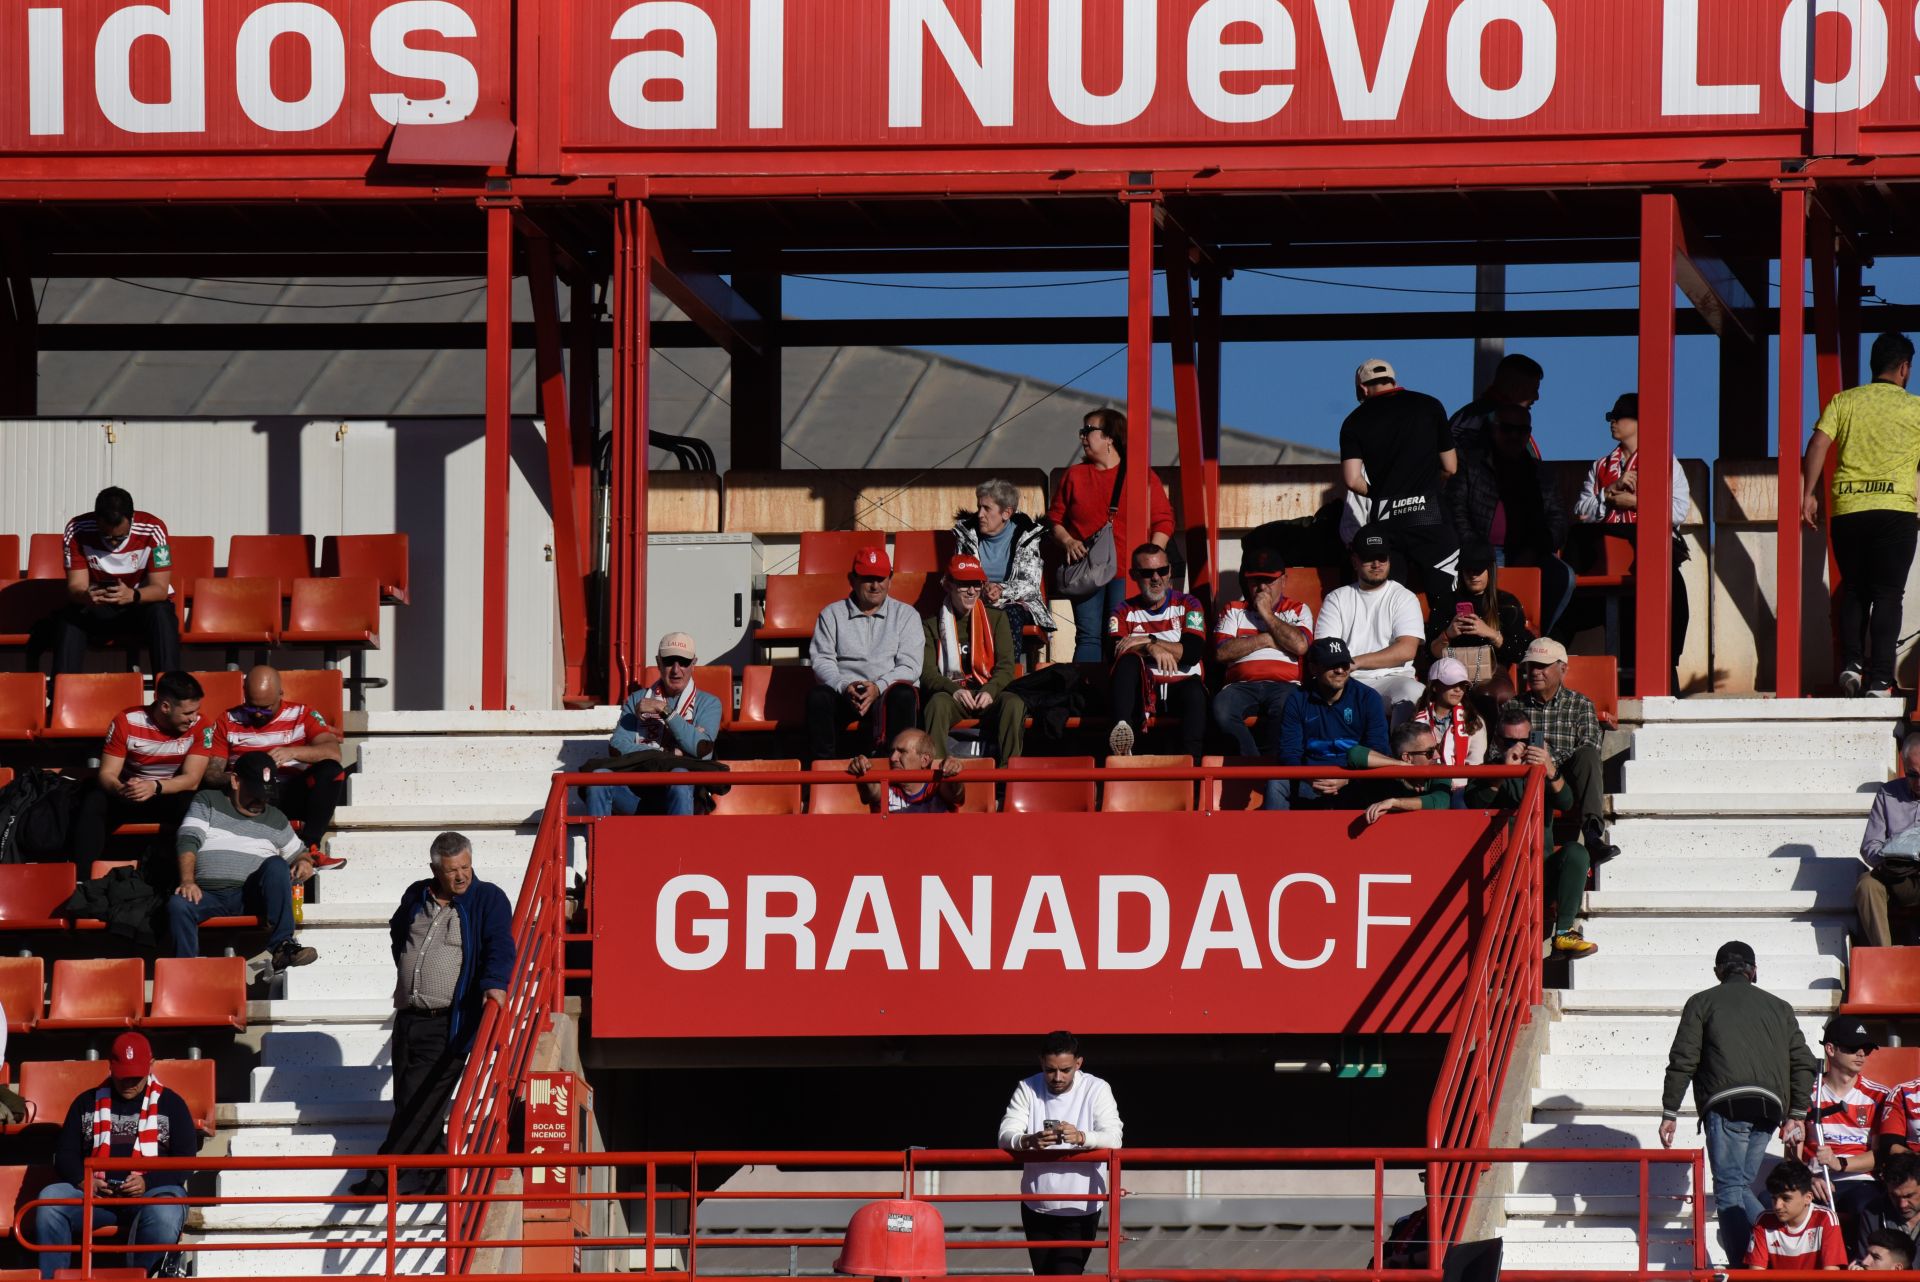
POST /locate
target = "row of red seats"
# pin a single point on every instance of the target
(336, 613)
(85, 702)
(111, 992)
(49, 1087)
(1034, 796)
(914, 551)
(33, 896)
(286, 557)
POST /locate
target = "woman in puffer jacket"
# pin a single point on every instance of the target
(1007, 541)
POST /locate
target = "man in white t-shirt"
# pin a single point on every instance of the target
(1380, 622)
(1061, 1109)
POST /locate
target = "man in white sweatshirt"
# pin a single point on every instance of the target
(1063, 1110)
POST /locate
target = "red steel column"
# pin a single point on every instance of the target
(1793, 322)
(499, 458)
(583, 387)
(627, 501)
(568, 535)
(1202, 530)
(1829, 378)
(1653, 561)
(1139, 374)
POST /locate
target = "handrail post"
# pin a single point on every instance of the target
(86, 1218)
(1645, 1170)
(1699, 1209)
(393, 1212)
(1113, 1213)
(653, 1191)
(1379, 1214)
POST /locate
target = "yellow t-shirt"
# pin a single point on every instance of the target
(1876, 431)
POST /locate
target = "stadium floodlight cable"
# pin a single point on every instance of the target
(339, 284)
(1412, 289)
(250, 302)
(899, 284)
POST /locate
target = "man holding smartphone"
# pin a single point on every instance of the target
(1062, 1110)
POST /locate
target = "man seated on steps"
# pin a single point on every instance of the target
(1891, 851)
(239, 856)
(1566, 719)
(305, 752)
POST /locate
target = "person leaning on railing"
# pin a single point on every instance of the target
(1061, 1109)
(1565, 867)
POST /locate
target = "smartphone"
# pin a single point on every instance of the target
(1053, 1124)
(1538, 738)
(1463, 609)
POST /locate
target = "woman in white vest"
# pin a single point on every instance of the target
(1061, 1109)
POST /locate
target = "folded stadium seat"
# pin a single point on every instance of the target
(192, 562)
(23, 705)
(337, 614)
(1598, 677)
(1612, 578)
(834, 798)
(1231, 794)
(97, 992)
(773, 698)
(1139, 796)
(198, 992)
(46, 557)
(9, 557)
(49, 1086)
(12, 1180)
(225, 688)
(716, 680)
(193, 1081)
(1882, 981)
(286, 557)
(1892, 1065)
(794, 602)
(24, 604)
(1036, 796)
(831, 551)
(1524, 582)
(85, 703)
(32, 895)
(923, 551)
(321, 689)
(23, 991)
(233, 613)
(771, 799)
(379, 556)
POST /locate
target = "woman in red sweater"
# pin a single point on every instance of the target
(1078, 511)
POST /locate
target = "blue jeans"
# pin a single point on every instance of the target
(1734, 1151)
(618, 799)
(268, 895)
(1090, 621)
(1238, 700)
(139, 1226)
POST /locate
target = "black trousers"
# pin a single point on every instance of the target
(426, 1070)
(1048, 1261)
(101, 812)
(152, 624)
(828, 710)
(311, 797)
(1426, 558)
(1874, 551)
(1186, 700)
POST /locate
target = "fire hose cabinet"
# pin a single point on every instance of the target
(555, 1119)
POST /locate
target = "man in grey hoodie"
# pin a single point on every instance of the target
(1741, 1050)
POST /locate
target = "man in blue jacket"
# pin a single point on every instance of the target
(673, 716)
(1330, 721)
(453, 946)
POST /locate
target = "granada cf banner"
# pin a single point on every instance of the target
(945, 925)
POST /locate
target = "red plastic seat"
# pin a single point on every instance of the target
(1893, 1065)
(12, 1180)
(1615, 567)
(9, 557)
(716, 680)
(23, 704)
(49, 1087)
(378, 556)
(285, 557)
(32, 895)
(1598, 677)
(98, 992)
(192, 561)
(198, 992)
(1024, 797)
(1523, 581)
(235, 612)
(319, 688)
(46, 557)
(193, 1081)
(85, 703)
(1233, 794)
(794, 602)
(24, 604)
(1883, 981)
(6, 775)
(921, 591)
(23, 991)
(1140, 796)
(335, 613)
(225, 688)
(101, 867)
(923, 551)
(772, 698)
(770, 799)
(979, 798)
(835, 798)
(831, 551)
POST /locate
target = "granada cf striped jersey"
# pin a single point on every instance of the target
(1175, 618)
(154, 753)
(1845, 1123)
(1270, 663)
(1901, 1116)
(292, 725)
(140, 553)
(1816, 1244)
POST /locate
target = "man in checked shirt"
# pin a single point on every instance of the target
(1572, 732)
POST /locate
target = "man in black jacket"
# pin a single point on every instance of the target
(1503, 497)
(1741, 1050)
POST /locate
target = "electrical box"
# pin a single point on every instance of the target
(706, 585)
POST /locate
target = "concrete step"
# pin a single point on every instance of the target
(335, 1252)
(307, 1084)
(421, 1219)
(1605, 1036)
(356, 937)
(304, 1113)
(1712, 898)
(581, 723)
(1700, 937)
(1668, 710)
(1597, 1188)
(333, 1009)
(1639, 871)
(1730, 839)
(1728, 804)
(430, 817)
(1869, 743)
(1599, 1243)
(417, 787)
(478, 755)
(1780, 973)
(321, 1046)
(289, 1141)
(1593, 1130)
(1642, 1072)
(299, 1182)
(1758, 774)
(1667, 1002)
(1616, 1101)
(384, 863)
(332, 977)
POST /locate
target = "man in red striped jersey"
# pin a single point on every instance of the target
(1159, 637)
(120, 578)
(150, 766)
(304, 748)
(1841, 1125)
(1261, 638)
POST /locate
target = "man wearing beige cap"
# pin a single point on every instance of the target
(671, 715)
(1396, 453)
(1565, 720)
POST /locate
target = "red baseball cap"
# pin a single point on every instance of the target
(132, 1056)
(966, 569)
(872, 562)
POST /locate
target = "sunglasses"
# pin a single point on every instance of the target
(675, 661)
(255, 713)
(1153, 572)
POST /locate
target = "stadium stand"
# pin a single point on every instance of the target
(233, 613)
(831, 551)
(198, 992)
(85, 703)
(285, 557)
(383, 557)
(1132, 796)
(96, 993)
(1041, 795)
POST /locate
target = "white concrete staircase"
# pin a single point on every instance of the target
(1739, 819)
(324, 1080)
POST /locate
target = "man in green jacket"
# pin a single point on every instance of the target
(1751, 1071)
(969, 664)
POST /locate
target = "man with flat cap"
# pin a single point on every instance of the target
(1740, 1049)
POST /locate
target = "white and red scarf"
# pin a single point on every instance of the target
(652, 734)
(980, 657)
(147, 1142)
(1451, 727)
(1607, 473)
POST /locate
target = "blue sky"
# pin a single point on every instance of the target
(1301, 391)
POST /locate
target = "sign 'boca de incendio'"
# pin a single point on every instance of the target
(172, 74)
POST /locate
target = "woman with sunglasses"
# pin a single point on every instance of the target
(1488, 631)
(1080, 510)
(1445, 707)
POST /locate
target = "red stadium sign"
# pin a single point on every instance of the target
(764, 926)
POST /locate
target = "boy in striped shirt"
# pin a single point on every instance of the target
(1795, 1234)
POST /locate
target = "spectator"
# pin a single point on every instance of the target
(130, 1115)
(1516, 385)
(120, 581)
(1890, 849)
(1841, 1126)
(1899, 1173)
(1888, 1251)
(1564, 867)
(1396, 453)
(1876, 428)
(1446, 709)
(452, 940)
(913, 750)
(1380, 622)
(1260, 638)
(1331, 720)
(1061, 1109)
(1740, 1048)
(1566, 719)
(1488, 630)
(1160, 638)
(1609, 501)
(304, 748)
(1007, 543)
(1413, 744)
(1091, 495)
(150, 766)
(673, 716)
(1502, 497)
(1795, 1234)
(866, 658)
(239, 855)
(968, 664)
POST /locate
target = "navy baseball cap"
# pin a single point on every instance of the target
(1329, 652)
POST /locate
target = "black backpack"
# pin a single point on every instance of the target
(36, 812)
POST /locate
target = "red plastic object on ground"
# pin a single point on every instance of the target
(895, 1239)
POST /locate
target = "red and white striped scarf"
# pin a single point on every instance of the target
(1617, 464)
(147, 1142)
